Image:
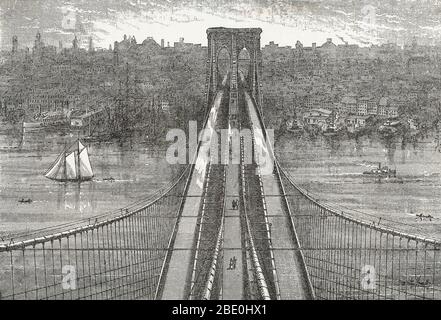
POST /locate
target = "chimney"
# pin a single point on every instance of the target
(314, 45)
(14, 44)
(75, 43)
(162, 43)
(91, 44)
(115, 53)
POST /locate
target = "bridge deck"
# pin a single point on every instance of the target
(233, 277)
(288, 265)
(232, 282)
(180, 261)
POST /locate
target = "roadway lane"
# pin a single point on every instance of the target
(232, 280)
(292, 283)
(180, 265)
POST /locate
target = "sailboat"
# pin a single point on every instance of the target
(72, 164)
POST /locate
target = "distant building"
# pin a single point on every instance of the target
(420, 66)
(354, 122)
(42, 101)
(86, 121)
(383, 105)
(317, 117)
(392, 111)
(372, 107)
(38, 44)
(310, 102)
(165, 106)
(181, 45)
(329, 48)
(349, 105)
(362, 108)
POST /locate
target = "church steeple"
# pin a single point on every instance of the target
(38, 44)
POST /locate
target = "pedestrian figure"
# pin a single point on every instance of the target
(232, 265)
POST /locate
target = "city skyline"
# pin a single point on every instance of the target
(84, 42)
(282, 22)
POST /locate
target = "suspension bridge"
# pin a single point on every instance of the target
(228, 229)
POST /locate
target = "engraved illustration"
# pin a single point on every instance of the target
(220, 150)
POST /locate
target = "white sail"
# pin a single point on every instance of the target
(81, 147)
(71, 167)
(85, 167)
(57, 169)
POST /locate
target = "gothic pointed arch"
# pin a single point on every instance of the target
(234, 40)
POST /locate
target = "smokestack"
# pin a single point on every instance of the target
(90, 44)
(14, 44)
(162, 43)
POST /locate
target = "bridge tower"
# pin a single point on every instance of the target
(234, 40)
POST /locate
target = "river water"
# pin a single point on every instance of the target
(138, 171)
(331, 171)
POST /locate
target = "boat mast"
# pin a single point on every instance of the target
(64, 161)
(78, 160)
(64, 165)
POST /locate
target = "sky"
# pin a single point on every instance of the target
(362, 22)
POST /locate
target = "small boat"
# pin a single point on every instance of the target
(72, 165)
(381, 172)
(23, 200)
(422, 216)
(111, 179)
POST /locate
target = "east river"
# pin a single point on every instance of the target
(129, 171)
(332, 171)
(125, 172)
